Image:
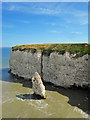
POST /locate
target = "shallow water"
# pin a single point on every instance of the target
(18, 100)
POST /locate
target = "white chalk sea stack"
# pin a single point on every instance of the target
(38, 87)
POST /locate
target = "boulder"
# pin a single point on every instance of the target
(38, 87)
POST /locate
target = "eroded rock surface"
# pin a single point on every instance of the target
(25, 64)
(59, 69)
(64, 70)
(38, 87)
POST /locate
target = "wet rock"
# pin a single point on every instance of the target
(38, 87)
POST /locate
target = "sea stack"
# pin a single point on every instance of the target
(38, 87)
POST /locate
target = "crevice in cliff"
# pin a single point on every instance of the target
(42, 64)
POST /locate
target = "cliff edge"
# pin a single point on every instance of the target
(61, 64)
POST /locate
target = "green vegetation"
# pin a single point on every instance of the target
(78, 49)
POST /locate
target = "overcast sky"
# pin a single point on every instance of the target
(44, 22)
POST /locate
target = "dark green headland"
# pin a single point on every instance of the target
(78, 48)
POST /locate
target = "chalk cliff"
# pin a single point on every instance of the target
(60, 69)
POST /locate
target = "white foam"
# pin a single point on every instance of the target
(20, 99)
(81, 112)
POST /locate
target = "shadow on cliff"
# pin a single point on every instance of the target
(77, 96)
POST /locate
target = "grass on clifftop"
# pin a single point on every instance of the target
(80, 49)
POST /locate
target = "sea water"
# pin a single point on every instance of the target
(18, 100)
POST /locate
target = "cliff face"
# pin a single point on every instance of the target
(63, 70)
(25, 64)
(59, 69)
